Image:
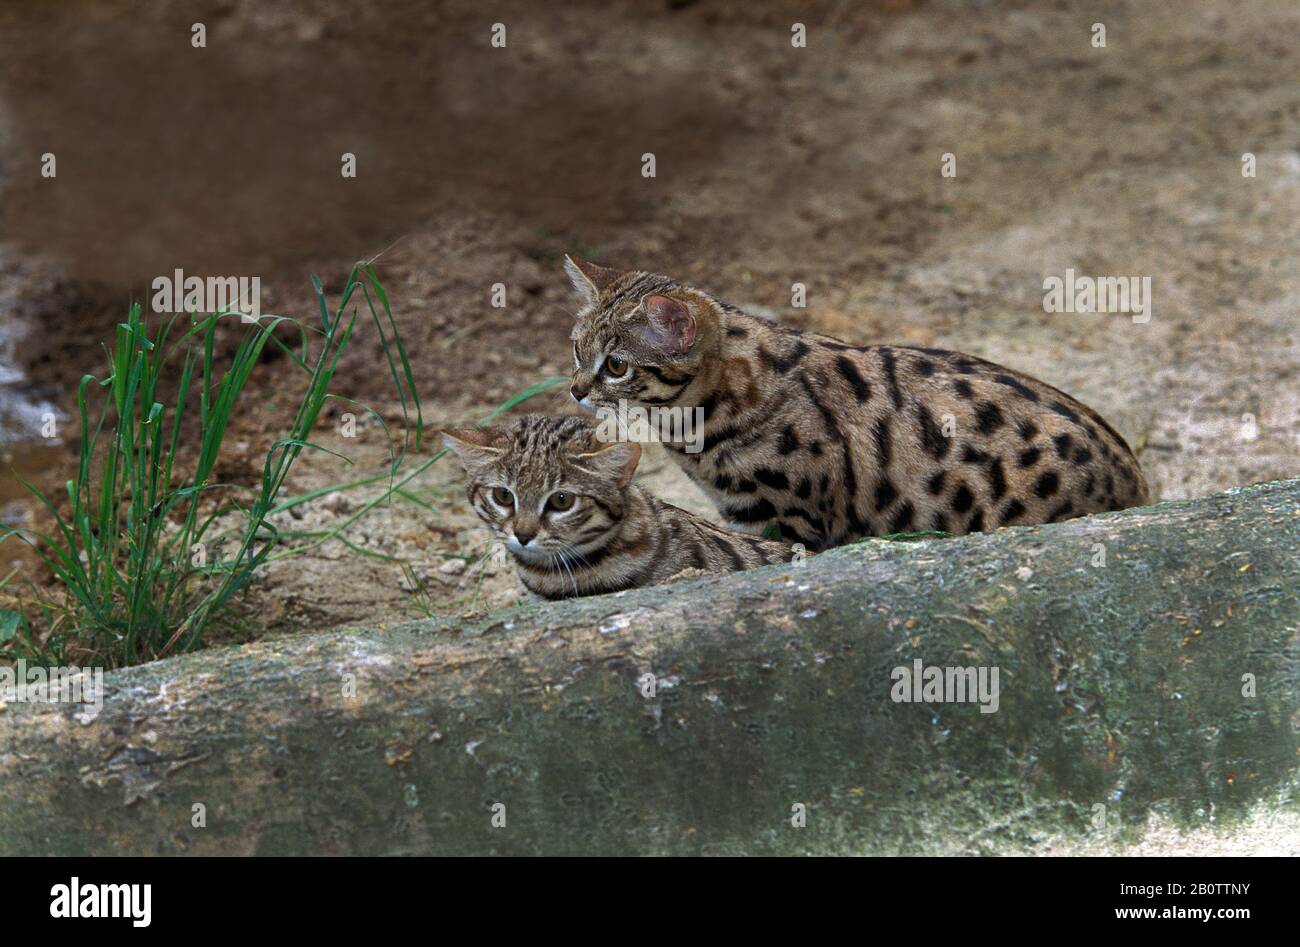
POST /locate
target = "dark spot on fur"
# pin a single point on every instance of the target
(1017, 386)
(882, 442)
(932, 439)
(782, 364)
(1064, 411)
(1009, 512)
(719, 436)
(790, 534)
(997, 479)
(891, 377)
(989, 417)
(962, 499)
(1062, 511)
(902, 519)
(760, 511)
(861, 390)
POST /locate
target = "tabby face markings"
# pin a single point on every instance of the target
(605, 373)
(636, 339)
(536, 528)
(620, 374)
(519, 531)
(538, 488)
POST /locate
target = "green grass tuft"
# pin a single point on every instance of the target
(134, 549)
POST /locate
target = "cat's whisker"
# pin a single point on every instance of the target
(568, 568)
(555, 562)
(581, 561)
(573, 551)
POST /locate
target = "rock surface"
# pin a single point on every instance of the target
(1147, 664)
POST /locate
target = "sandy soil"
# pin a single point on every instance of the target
(775, 165)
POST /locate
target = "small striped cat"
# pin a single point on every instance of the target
(832, 442)
(563, 504)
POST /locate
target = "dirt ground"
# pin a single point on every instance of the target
(775, 165)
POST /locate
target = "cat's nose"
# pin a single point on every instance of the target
(580, 389)
(524, 535)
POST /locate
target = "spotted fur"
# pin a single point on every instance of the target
(610, 535)
(832, 442)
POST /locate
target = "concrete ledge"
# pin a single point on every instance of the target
(1121, 687)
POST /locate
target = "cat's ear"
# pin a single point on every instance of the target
(476, 447)
(589, 279)
(617, 460)
(670, 325)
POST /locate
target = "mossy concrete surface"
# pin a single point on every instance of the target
(1147, 665)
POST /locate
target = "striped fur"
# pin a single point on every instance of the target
(832, 442)
(614, 536)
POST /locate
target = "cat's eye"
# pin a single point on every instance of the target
(559, 500)
(503, 497)
(616, 367)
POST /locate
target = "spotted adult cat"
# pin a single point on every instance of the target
(563, 504)
(832, 442)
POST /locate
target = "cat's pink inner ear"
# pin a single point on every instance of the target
(671, 324)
